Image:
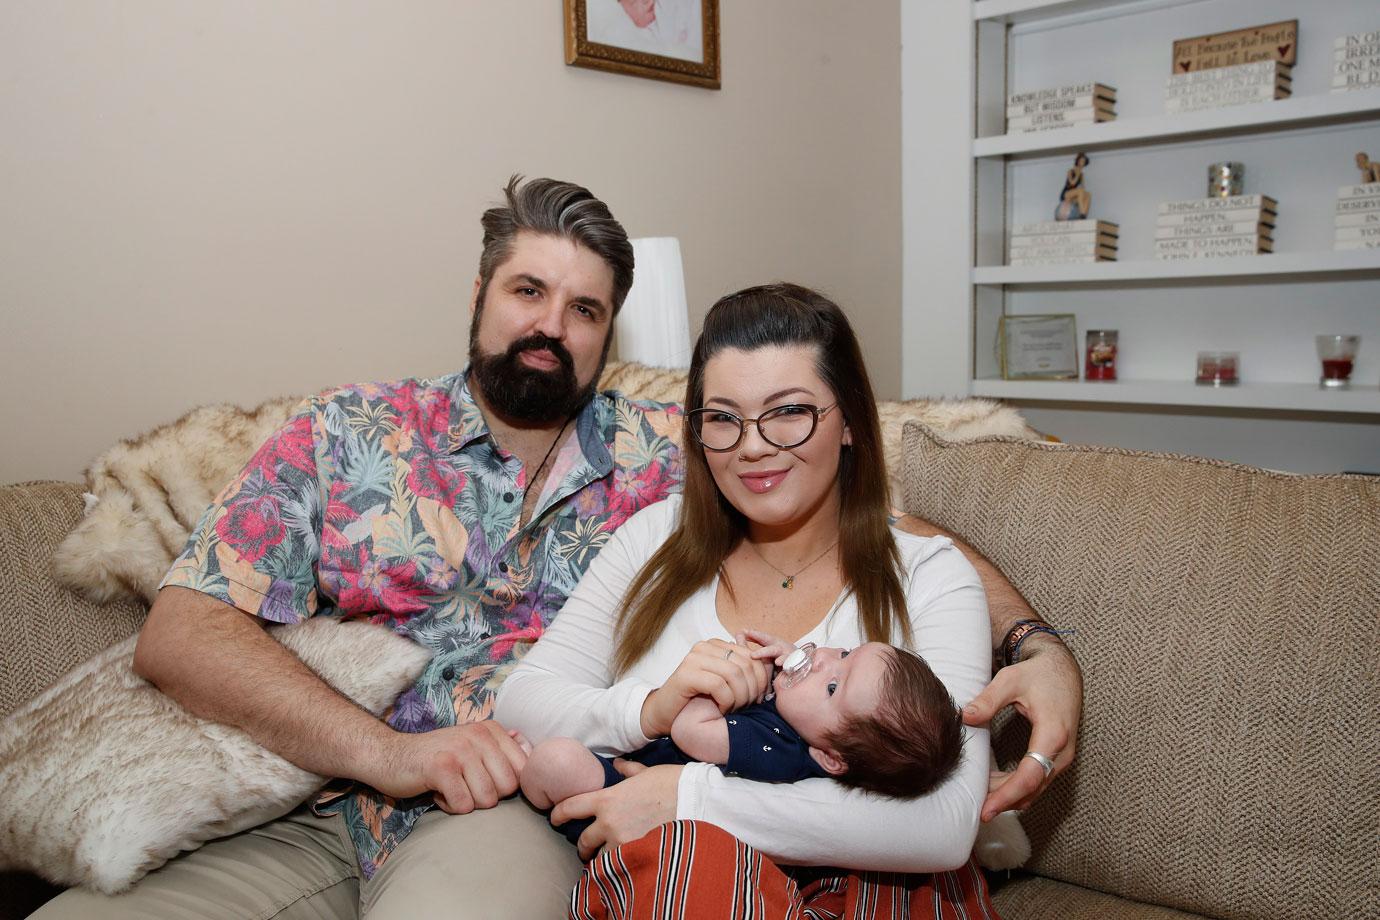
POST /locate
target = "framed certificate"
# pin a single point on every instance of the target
(1043, 347)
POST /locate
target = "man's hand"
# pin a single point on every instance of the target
(1047, 688)
(720, 670)
(625, 812)
(466, 766)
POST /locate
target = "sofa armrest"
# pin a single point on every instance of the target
(46, 630)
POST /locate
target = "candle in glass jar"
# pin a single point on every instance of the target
(1101, 355)
(1217, 368)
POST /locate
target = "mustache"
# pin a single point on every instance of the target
(538, 342)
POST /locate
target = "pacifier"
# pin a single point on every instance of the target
(797, 665)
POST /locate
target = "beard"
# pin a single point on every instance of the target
(528, 394)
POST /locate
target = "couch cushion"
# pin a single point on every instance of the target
(1027, 897)
(46, 630)
(1225, 621)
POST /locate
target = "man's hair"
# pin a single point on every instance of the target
(555, 208)
(914, 740)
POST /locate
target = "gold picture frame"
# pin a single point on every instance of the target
(679, 43)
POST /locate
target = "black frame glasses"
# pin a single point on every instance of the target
(695, 417)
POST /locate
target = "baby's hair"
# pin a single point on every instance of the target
(914, 740)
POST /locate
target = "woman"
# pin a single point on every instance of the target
(782, 527)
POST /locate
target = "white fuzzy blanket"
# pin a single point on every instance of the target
(145, 495)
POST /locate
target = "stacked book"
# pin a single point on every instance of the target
(1059, 242)
(1215, 228)
(1224, 86)
(1358, 217)
(1060, 107)
(1356, 62)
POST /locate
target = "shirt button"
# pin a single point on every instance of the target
(503, 567)
(507, 496)
(448, 673)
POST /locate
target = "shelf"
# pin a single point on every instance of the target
(1019, 11)
(1260, 117)
(1302, 397)
(1279, 266)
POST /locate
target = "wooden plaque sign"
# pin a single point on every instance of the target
(1277, 41)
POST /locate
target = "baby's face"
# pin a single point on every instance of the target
(841, 686)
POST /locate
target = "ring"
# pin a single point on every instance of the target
(1045, 763)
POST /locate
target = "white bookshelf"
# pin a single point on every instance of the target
(1299, 111)
(1324, 265)
(1298, 150)
(1297, 397)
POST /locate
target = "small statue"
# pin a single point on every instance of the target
(1370, 169)
(1075, 201)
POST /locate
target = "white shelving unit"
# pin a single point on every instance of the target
(1297, 150)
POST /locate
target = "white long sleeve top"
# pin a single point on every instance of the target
(564, 687)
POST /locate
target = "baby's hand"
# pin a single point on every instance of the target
(772, 648)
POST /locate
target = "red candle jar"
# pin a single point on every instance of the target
(1101, 356)
(1218, 368)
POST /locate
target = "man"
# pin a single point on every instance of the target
(461, 510)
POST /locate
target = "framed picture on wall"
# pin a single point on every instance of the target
(675, 40)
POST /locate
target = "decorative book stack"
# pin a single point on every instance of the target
(1059, 242)
(1356, 62)
(1215, 228)
(1223, 86)
(1060, 107)
(1358, 217)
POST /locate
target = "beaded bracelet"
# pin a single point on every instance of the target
(1015, 638)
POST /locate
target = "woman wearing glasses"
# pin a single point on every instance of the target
(782, 527)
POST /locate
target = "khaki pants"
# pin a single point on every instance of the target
(501, 862)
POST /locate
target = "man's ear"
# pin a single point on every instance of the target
(474, 295)
(830, 760)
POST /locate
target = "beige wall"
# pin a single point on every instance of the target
(232, 200)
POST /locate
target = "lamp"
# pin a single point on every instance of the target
(654, 325)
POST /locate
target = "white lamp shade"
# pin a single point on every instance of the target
(654, 324)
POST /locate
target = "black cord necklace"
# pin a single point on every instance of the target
(541, 466)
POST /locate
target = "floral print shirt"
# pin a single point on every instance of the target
(391, 502)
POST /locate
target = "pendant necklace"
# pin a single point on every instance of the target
(789, 579)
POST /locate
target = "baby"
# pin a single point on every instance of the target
(875, 717)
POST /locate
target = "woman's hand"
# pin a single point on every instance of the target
(625, 812)
(725, 672)
(769, 647)
(1046, 687)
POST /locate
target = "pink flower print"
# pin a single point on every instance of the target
(633, 490)
(376, 586)
(251, 526)
(290, 445)
(503, 643)
(431, 478)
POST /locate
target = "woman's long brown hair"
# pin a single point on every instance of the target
(709, 527)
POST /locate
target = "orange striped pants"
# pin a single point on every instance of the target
(689, 869)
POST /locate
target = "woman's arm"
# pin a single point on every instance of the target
(817, 821)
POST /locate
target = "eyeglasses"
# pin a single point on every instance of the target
(784, 426)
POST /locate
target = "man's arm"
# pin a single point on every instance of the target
(701, 731)
(1045, 686)
(219, 664)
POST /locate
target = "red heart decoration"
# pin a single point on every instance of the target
(1185, 65)
(1284, 50)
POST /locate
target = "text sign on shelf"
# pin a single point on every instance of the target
(1277, 41)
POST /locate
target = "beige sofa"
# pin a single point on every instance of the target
(1225, 617)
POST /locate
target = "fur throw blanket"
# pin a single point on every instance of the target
(145, 495)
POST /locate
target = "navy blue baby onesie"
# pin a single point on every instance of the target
(761, 746)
